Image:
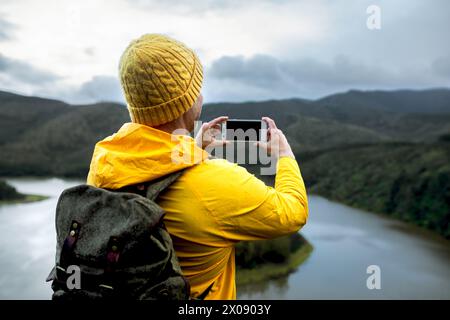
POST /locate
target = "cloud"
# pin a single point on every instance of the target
(89, 51)
(201, 7)
(35, 81)
(441, 66)
(263, 77)
(251, 50)
(259, 70)
(6, 29)
(99, 88)
(23, 72)
(102, 88)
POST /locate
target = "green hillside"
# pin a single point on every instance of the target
(19, 114)
(61, 145)
(430, 101)
(409, 181)
(351, 110)
(385, 151)
(9, 194)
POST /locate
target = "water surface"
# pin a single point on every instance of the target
(414, 262)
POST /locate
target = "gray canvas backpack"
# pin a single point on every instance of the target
(118, 244)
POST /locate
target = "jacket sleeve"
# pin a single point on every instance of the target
(260, 212)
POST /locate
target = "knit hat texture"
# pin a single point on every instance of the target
(161, 79)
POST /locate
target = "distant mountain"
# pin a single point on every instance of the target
(19, 114)
(58, 142)
(384, 113)
(385, 151)
(49, 137)
(432, 101)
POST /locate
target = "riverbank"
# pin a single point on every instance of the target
(413, 261)
(270, 270)
(414, 264)
(10, 195)
(407, 181)
(27, 198)
(255, 261)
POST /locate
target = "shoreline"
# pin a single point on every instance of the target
(10, 195)
(270, 271)
(384, 215)
(28, 198)
(362, 208)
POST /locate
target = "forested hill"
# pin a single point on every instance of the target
(384, 151)
(49, 137)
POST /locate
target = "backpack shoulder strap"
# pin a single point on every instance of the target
(152, 189)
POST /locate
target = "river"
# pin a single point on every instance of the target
(414, 263)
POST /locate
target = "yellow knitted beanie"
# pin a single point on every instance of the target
(161, 79)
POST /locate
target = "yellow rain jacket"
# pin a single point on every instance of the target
(212, 206)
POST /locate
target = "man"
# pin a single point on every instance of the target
(214, 204)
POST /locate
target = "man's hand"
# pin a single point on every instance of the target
(206, 136)
(277, 144)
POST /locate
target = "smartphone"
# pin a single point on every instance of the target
(244, 130)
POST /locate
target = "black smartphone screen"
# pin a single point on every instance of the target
(243, 130)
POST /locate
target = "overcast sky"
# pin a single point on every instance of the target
(251, 50)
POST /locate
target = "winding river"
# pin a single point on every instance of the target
(414, 263)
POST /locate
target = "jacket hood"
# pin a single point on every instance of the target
(138, 153)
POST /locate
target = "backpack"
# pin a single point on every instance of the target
(117, 243)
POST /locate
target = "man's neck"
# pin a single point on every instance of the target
(172, 126)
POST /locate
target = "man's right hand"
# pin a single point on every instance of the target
(206, 136)
(277, 144)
